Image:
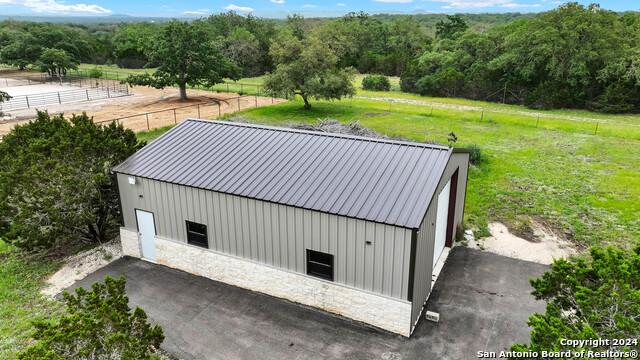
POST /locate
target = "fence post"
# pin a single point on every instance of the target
(595, 133)
(238, 103)
(504, 95)
(87, 94)
(59, 100)
(108, 93)
(242, 88)
(175, 118)
(431, 111)
(27, 97)
(256, 100)
(118, 122)
(227, 87)
(482, 115)
(538, 121)
(148, 128)
(198, 110)
(219, 111)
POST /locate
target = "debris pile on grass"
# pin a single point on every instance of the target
(353, 127)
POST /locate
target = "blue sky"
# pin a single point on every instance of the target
(205, 7)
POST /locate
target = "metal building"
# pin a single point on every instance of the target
(351, 225)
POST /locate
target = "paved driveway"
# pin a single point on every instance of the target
(483, 300)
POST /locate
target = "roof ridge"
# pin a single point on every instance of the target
(326, 134)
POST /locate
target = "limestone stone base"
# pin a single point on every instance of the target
(383, 312)
(130, 240)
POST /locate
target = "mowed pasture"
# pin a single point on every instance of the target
(547, 166)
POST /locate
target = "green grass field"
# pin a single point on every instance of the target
(21, 277)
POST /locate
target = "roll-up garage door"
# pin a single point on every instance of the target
(442, 216)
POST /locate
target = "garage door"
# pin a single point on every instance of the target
(442, 216)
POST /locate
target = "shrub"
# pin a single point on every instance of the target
(376, 83)
(95, 73)
(588, 299)
(56, 182)
(98, 325)
(476, 157)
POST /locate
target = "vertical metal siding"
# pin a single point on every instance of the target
(426, 232)
(277, 235)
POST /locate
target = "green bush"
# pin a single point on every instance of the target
(590, 299)
(98, 325)
(56, 182)
(95, 73)
(376, 83)
(476, 157)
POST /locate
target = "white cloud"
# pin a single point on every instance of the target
(341, 4)
(196, 12)
(307, 6)
(514, 5)
(394, 1)
(277, 1)
(237, 8)
(51, 6)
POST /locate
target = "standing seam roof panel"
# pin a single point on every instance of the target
(385, 181)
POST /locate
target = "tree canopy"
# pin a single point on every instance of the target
(186, 56)
(23, 43)
(56, 62)
(453, 25)
(307, 67)
(98, 324)
(597, 298)
(56, 182)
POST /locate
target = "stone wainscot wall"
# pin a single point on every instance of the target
(383, 312)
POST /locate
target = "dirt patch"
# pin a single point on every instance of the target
(130, 110)
(543, 247)
(78, 266)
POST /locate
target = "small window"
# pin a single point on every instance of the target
(197, 234)
(320, 265)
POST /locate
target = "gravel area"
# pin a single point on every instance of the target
(78, 266)
(546, 247)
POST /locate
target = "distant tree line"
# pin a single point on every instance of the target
(570, 57)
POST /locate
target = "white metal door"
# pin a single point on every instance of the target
(442, 216)
(147, 230)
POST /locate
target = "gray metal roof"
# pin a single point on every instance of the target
(390, 182)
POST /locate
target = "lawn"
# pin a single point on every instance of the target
(21, 277)
(554, 170)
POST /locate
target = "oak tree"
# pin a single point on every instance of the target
(307, 67)
(186, 55)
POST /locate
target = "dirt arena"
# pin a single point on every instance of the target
(130, 110)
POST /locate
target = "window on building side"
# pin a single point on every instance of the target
(320, 265)
(197, 234)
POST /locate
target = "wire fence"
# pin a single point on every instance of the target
(229, 87)
(67, 80)
(64, 97)
(209, 110)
